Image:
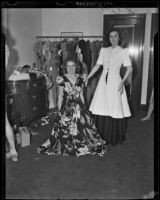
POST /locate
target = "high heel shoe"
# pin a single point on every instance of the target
(13, 156)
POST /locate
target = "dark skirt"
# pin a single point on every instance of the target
(112, 130)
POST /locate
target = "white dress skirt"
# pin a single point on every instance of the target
(109, 106)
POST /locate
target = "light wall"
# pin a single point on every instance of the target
(25, 24)
(21, 25)
(86, 20)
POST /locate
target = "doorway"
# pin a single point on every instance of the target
(153, 65)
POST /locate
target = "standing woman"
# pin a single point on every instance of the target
(9, 131)
(109, 102)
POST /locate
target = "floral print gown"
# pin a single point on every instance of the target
(74, 132)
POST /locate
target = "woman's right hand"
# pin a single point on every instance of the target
(88, 77)
(85, 78)
(86, 81)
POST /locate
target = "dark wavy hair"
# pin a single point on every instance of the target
(108, 35)
(77, 65)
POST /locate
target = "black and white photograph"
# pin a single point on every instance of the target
(79, 87)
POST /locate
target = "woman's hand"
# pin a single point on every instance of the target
(85, 79)
(95, 68)
(120, 88)
(59, 79)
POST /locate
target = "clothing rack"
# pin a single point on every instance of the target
(90, 36)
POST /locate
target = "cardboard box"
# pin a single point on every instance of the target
(24, 136)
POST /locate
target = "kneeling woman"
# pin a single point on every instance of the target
(74, 132)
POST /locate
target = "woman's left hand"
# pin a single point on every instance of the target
(120, 88)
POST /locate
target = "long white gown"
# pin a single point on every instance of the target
(107, 100)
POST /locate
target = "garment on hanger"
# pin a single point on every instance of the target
(52, 67)
(64, 51)
(83, 46)
(70, 48)
(39, 51)
(95, 49)
(89, 55)
(46, 51)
